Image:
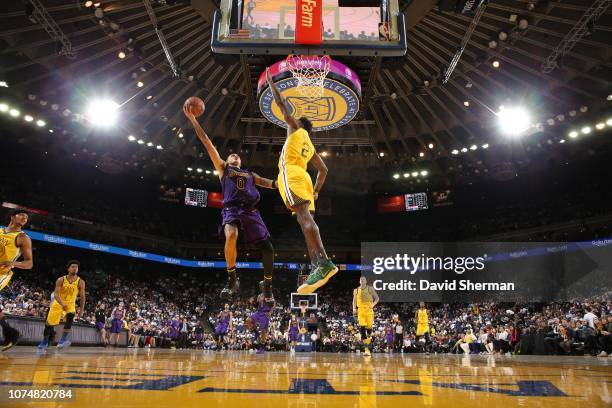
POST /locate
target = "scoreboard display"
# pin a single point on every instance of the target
(416, 201)
(195, 197)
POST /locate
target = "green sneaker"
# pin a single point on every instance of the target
(318, 277)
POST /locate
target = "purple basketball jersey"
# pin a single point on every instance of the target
(238, 187)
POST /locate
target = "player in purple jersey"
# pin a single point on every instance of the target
(294, 331)
(224, 324)
(240, 198)
(259, 321)
(117, 314)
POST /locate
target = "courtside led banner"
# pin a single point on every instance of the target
(488, 271)
(309, 22)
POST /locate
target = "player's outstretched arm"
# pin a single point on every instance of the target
(264, 182)
(282, 103)
(317, 161)
(218, 162)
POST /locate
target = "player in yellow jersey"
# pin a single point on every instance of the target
(422, 319)
(14, 243)
(364, 300)
(296, 189)
(64, 306)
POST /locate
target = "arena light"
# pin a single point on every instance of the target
(41, 123)
(140, 84)
(473, 147)
(513, 121)
(586, 130)
(207, 171)
(3, 84)
(415, 174)
(395, 176)
(4, 107)
(455, 151)
(150, 144)
(159, 147)
(189, 168)
(485, 146)
(199, 170)
(121, 55)
(323, 153)
(131, 138)
(466, 104)
(381, 154)
(609, 122)
(431, 145)
(562, 141)
(14, 113)
(406, 175)
(180, 135)
(495, 64)
(464, 149)
(424, 173)
(102, 112)
(140, 141)
(573, 134)
(215, 172)
(88, 3)
(600, 126)
(28, 118)
(421, 154)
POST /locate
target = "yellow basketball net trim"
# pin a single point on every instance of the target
(310, 72)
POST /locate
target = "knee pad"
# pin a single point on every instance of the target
(69, 320)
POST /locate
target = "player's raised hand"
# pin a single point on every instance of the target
(188, 113)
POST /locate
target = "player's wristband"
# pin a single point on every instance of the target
(275, 184)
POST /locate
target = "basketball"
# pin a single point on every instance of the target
(195, 105)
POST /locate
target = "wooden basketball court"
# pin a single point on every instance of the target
(167, 378)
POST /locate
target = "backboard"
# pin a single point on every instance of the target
(268, 27)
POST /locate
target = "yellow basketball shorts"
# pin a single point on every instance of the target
(365, 317)
(422, 329)
(295, 187)
(56, 313)
(5, 279)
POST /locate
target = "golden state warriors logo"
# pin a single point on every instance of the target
(337, 107)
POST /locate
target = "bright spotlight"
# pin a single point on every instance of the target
(207, 171)
(131, 138)
(140, 141)
(586, 130)
(199, 170)
(424, 173)
(396, 176)
(41, 123)
(421, 154)
(4, 107)
(3, 84)
(189, 168)
(473, 147)
(464, 149)
(513, 121)
(28, 118)
(485, 146)
(406, 175)
(102, 112)
(381, 154)
(496, 64)
(159, 147)
(600, 126)
(150, 144)
(415, 174)
(14, 113)
(573, 134)
(609, 122)
(455, 151)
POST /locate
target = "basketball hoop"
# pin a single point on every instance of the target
(310, 72)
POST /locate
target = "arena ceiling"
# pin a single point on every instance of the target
(409, 121)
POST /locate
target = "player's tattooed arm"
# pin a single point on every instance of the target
(218, 162)
(282, 103)
(317, 161)
(264, 182)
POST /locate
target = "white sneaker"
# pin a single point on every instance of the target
(602, 354)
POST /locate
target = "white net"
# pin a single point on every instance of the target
(310, 72)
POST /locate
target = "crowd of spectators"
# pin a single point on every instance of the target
(180, 310)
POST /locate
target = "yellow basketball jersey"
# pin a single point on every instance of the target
(9, 251)
(297, 151)
(69, 290)
(422, 316)
(364, 298)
